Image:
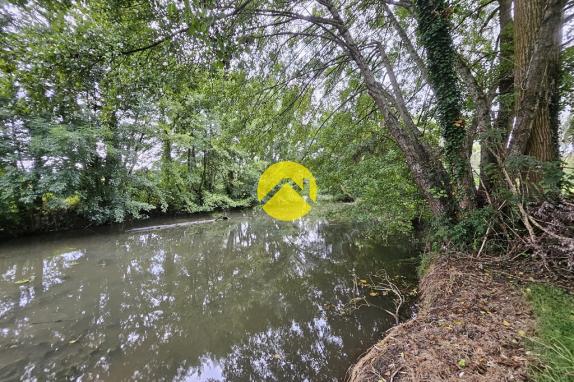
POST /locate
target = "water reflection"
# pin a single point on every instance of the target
(248, 299)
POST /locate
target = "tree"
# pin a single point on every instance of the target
(334, 24)
(542, 142)
(80, 118)
(495, 135)
(435, 34)
(532, 131)
(436, 77)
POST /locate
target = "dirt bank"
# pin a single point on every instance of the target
(471, 326)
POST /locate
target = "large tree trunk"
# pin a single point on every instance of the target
(435, 34)
(542, 142)
(493, 143)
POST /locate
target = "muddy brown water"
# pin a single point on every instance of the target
(247, 299)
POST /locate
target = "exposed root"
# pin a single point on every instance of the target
(377, 284)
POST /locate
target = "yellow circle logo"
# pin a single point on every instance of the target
(283, 190)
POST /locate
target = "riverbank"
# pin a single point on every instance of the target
(73, 223)
(474, 323)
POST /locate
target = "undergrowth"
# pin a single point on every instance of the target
(426, 260)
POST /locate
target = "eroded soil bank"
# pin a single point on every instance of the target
(471, 326)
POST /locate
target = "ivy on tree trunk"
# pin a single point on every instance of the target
(435, 35)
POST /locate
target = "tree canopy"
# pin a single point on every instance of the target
(113, 110)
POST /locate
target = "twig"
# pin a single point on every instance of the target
(392, 378)
(556, 236)
(484, 240)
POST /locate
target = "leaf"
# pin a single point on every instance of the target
(373, 293)
(22, 281)
(459, 123)
(506, 323)
(521, 333)
(461, 363)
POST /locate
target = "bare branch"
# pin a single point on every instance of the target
(407, 41)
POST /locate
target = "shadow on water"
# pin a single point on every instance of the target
(247, 299)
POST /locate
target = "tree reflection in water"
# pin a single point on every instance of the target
(245, 299)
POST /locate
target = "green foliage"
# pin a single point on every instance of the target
(539, 180)
(93, 134)
(554, 310)
(363, 166)
(468, 233)
(427, 259)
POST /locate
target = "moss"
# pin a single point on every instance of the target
(554, 311)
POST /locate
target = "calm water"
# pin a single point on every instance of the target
(247, 299)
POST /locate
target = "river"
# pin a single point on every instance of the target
(246, 299)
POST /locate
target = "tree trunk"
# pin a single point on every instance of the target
(229, 183)
(112, 162)
(494, 141)
(190, 160)
(435, 34)
(542, 142)
(166, 149)
(427, 171)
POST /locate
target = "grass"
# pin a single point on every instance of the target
(554, 310)
(426, 260)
